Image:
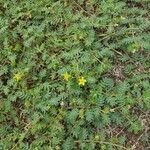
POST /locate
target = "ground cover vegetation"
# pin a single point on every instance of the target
(74, 74)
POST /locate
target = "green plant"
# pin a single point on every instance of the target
(74, 74)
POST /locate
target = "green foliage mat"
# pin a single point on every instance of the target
(74, 74)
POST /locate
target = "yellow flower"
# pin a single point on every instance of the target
(82, 81)
(17, 76)
(66, 76)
